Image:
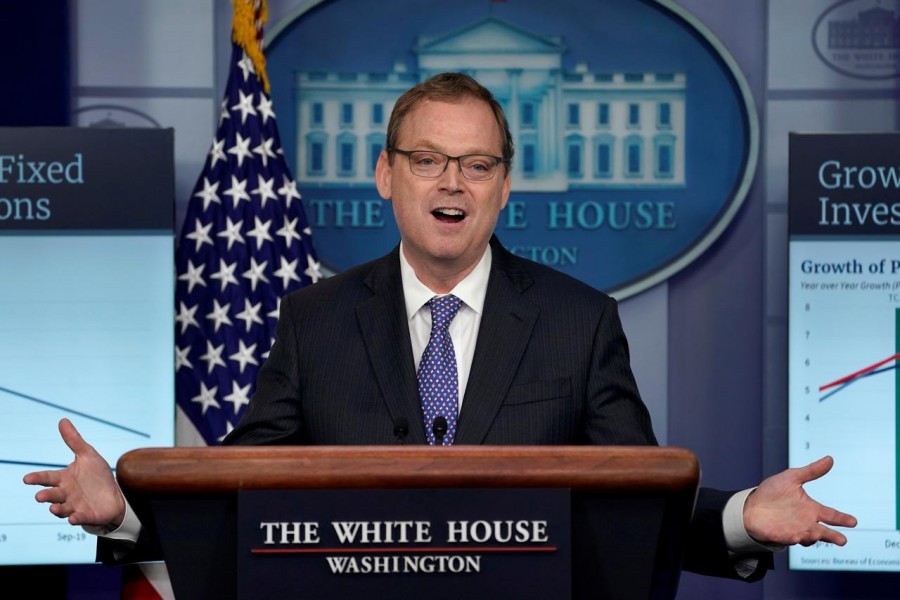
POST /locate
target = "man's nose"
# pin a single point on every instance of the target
(452, 174)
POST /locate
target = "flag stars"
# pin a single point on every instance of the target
(200, 234)
(237, 191)
(223, 111)
(246, 66)
(217, 153)
(209, 193)
(256, 273)
(313, 269)
(265, 108)
(261, 232)
(232, 232)
(193, 276)
(245, 355)
(250, 314)
(289, 231)
(241, 148)
(181, 358)
(273, 314)
(225, 274)
(219, 315)
(264, 189)
(206, 398)
(228, 429)
(287, 271)
(265, 151)
(185, 317)
(239, 396)
(245, 106)
(213, 357)
(222, 272)
(288, 189)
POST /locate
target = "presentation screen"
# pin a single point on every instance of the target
(86, 314)
(844, 338)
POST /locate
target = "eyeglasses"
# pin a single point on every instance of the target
(431, 164)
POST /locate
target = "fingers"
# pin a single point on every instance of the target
(837, 518)
(814, 470)
(822, 533)
(75, 443)
(72, 438)
(63, 512)
(826, 514)
(60, 510)
(47, 478)
(825, 534)
(53, 495)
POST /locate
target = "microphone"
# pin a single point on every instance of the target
(439, 429)
(401, 429)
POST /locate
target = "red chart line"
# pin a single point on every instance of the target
(859, 373)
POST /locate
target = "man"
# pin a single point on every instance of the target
(535, 356)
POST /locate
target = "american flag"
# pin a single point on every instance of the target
(245, 242)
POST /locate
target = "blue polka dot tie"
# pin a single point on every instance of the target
(437, 377)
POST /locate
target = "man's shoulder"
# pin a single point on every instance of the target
(534, 278)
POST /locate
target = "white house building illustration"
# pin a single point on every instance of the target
(572, 128)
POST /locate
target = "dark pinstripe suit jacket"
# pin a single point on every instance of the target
(551, 366)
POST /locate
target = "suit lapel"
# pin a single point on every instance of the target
(506, 326)
(385, 333)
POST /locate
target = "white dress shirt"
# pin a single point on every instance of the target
(464, 327)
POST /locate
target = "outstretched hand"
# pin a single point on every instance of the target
(85, 492)
(779, 511)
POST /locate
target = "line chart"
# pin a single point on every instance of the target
(85, 333)
(873, 369)
(72, 411)
(843, 354)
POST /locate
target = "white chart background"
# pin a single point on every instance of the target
(86, 332)
(842, 324)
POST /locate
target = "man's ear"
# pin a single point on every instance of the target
(383, 175)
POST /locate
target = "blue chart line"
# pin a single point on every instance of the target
(74, 412)
(68, 410)
(25, 463)
(30, 464)
(855, 379)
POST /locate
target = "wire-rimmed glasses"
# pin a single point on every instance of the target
(432, 164)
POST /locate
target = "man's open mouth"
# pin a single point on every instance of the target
(449, 215)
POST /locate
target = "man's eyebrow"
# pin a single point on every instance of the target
(422, 145)
(425, 145)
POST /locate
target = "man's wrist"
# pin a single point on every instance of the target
(128, 531)
(738, 541)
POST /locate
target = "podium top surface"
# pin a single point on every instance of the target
(229, 469)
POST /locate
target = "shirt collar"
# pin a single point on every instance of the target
(470, 290)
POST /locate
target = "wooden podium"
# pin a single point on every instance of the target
(630, 506)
